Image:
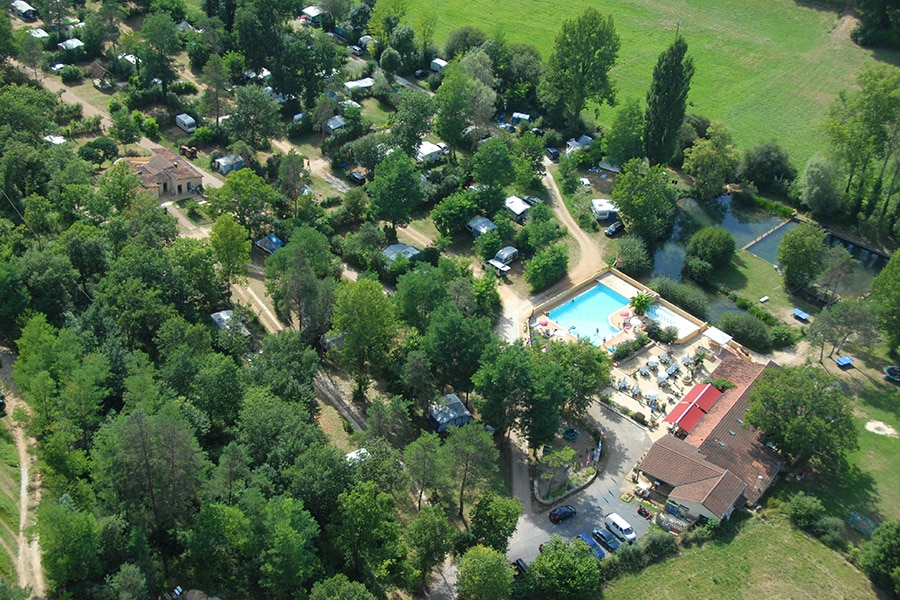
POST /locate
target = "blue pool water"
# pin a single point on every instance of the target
(587, 315)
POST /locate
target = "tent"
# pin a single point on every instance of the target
(449, 411)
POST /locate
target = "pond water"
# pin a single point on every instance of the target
(745, 222)
(748, 223)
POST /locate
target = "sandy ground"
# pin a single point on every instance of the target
(28, 558)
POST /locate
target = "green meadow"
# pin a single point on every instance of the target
(768, 69)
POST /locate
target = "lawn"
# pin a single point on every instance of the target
(767, 558)
(767, 68)
(752, 278)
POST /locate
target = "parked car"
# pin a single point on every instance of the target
(356, 177)
(591, 544)
(537, 131)
(614, 229)
(552, 153)
(356, 50)
(561, 513)
(620, 528)
(532, 200)
(520, 566)
(606, 539)
(507, 127)
(421, 74)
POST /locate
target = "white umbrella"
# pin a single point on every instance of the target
(636, 322)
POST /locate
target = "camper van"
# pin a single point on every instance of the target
(620, 528)
(186, 122)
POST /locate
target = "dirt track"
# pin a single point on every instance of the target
(28, 554)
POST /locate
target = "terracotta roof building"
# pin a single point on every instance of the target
(721, 463)
(166, 174)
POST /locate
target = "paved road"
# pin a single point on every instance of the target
(624, 444)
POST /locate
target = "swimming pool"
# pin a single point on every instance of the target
(667, 318)
(590, 311)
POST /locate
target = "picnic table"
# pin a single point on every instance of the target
(653, 363)
(800, 315)
(687, 360)
(644, 371)
(662, 379)
(673, 369)
(844, 361)
(664, 359)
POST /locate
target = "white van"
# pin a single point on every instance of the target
(620, 528)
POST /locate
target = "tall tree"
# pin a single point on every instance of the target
(802, 412)
(493, 165)
(585, 50)
(645, 201)
(425, 463)
(150, 467)
(586, 370)
(453, 103)
(412, 121)
(472, 457)
(256, 117)
(667, 102)
(564, 571)
(886, 297)
(396, 190)
(494, 520)
(879, 557)
(7, 40)
(160, 46)
(338, 586)
(454, 343)
(713, 162)
(215, 77)
(365, 318)
(430, 537)
(484, 574)
(624, 140)
(248, 197)
(231, 245)
(800, 255)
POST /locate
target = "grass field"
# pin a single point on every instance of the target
(767, 558)
(766, 68)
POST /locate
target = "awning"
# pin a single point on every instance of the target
(717, 336)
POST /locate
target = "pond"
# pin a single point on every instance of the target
(745, 222)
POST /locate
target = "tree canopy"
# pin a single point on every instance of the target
(584, 52)
(802, 412)
(886, 297)
(667, 101)
(800, 255)
(646, 203)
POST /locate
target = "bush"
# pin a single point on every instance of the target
(698, 269)
(487, 244)
(629, 347)
(747, 330)
(767, 165)
(150, 128)
(658, 546)
(783, 336)
(610, 567)
(71, 74)
(630, 256)
(714, 245)
(831, 531)
(631, 558)
(548, 266)
(683, 296)
(666, 335)
(183, 88)
(805, 511)
(462, 541)
(639, 417)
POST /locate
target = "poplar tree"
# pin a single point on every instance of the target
(667, 101)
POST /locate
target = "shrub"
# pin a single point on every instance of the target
(631, 257)
(610, 567)
(658, 546)
(182, 88)
(747, 330)
(639, 417)
(548, 266)
(71, 74)
(720, 384)
(666, 335)
(150, 128)
(767, 165)
(713, 244)
(831, 531)
(684, 296)
(203, 136)
(698, 269)
(629, 347)
(805, 511)
(783, 336)
(462, 541)
(631, 558)
(487, 244)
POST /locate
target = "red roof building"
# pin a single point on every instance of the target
(693, 407)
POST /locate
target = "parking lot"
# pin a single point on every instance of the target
(624, 444)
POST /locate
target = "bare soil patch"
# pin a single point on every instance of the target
(881, 428)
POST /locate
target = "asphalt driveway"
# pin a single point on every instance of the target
(624, 444)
